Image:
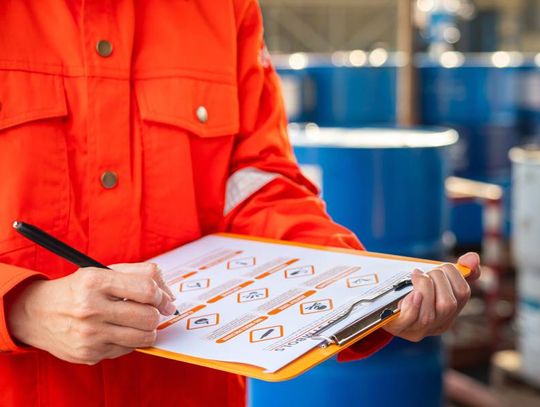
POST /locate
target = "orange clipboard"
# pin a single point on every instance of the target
(365, 326)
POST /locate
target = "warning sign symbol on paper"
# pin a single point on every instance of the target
(253, 295)
(195, 285)
(266, 334)
(359, 281)
(312, 307)
(299, 272)
(203, 321)
(241, 263)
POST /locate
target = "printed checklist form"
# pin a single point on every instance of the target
(262, 304)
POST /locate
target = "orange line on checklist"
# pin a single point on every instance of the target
(220, 260)
(229, 292)
(338, 277)
(276, 269)
(240, 330)
(180, 278)
(291, 302)
(181, 316)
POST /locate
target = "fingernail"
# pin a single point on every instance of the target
(417, 272)
(170, 308)
(470, 256)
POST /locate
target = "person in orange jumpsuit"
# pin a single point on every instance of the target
(128, 128)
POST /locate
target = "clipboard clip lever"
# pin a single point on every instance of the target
(358, 327)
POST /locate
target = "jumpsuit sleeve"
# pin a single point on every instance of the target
(11, 278)
(266, 194)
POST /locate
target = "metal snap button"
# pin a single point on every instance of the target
(202, 114)
(104, 48)
(109, 179)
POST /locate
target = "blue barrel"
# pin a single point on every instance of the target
(387, 185)
(481, 101)
(466, 218)
(400, 375)
(297, 88)
(482, 98)
(354, 96)
(343, 89)
(529, 102)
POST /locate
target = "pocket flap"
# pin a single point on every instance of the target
(28, 96)
(204, 108)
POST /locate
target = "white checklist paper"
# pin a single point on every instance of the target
(258, 303)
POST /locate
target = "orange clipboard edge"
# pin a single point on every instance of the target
(311, 358)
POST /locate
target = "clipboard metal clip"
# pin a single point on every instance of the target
(358, 327)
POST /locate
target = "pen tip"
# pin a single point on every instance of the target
(16, 224)
(176, 312)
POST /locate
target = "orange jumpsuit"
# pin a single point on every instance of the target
(128, 128)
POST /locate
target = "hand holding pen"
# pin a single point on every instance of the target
(79, 318)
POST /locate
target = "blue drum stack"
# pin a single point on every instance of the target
(479, 96)
(387, 185)
(339, 90)
(353, 96)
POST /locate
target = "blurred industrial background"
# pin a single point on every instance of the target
(420, 120)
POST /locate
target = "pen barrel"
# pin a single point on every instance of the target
(56, 246)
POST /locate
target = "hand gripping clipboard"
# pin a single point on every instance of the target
(332, 341)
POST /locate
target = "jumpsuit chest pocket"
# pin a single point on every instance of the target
(34, 184)
(187, 127)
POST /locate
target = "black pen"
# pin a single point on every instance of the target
(58, 247)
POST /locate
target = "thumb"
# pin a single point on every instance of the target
(471, 260)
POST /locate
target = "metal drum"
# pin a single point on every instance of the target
(399, 375)
(529, 103)
(296, 86)
(385, 184)
(354, 96)
(525, 245)
(343, 89)
(480, 96)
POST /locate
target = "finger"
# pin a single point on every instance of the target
(460, 287)
(95, 354)
(130, 337)
(114, 351)
(166, 306)
(162, 284)
(471, 260)
(408, 315)
(445, 301)
(132, 315)
(423, 284)
(132, 267)
(138, 288)
(147, 269)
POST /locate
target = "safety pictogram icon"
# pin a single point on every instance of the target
(203, 321)
(241, 263)
(360, 281)
(266, 334)
(195, 285)
(252, 295)
(311, 307)
(299, 272)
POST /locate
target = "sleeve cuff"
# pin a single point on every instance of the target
(13, 277)
(365, 347)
